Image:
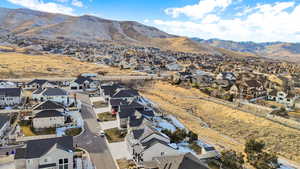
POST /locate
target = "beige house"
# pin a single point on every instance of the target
(48, 119)
(53, 153)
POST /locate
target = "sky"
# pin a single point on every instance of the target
(237, 20)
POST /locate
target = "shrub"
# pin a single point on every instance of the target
(232, 160)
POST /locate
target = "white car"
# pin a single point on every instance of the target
(102, 133)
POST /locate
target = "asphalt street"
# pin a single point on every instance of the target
(95, 145)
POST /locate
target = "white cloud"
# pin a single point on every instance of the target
(263, 22)
(199, 10)
(44, 6)
(62, 1)
(77, 3)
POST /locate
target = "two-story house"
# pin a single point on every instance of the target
(48, 119)
(10, 96)
(54, 94)
(40, 83)
(52, 153)
(7, 84)
(182, 161)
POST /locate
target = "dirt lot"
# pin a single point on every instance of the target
(228, 128)
(19, 65)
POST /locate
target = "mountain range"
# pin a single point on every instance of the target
(30, 23)
(276, 50)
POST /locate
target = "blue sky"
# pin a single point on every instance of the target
(239, 20)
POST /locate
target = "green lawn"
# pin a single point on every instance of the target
(107, 116)
(115, 135)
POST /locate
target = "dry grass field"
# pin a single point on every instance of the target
(19, 65)
(228, 128)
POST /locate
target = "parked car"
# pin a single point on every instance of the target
(102, 133)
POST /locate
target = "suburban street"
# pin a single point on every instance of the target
(95, 145)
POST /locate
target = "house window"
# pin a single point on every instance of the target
(65, 160)
(63, 163)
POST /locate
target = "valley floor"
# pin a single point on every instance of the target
(223, 126)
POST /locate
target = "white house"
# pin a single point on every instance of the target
(82, 83)
(48, 119)
(52, 153)
(53, 94)
(40, 83)
(7, 84)
(4, 126)
(10, 96)
(155, 148)
(288, 99)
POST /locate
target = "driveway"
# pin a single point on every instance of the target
(101, 110)
(119, 150)
(109, 125)
(10, 165)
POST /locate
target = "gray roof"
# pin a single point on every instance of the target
(125, 93)
(82, 80)
(40, 82)
(186, 161)
(141, 134)
(48, 105)
(38, 148)
(51, 92)
(11, 92)
(4, 118)
(48, 113)
(152, 142)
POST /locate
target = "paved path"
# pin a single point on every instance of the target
(95, 145)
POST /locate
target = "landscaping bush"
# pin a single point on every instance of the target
(258, 158)
(232, 160)
(177, 136)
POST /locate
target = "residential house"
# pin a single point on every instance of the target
(4, 126)
(40, 83)
(107, 90)
(53, 94)
(7, 84)
(115, 103)
(10, 96)
(174, 67)
(272, 95)
(288, 99)
(231, 77)
(253, 89)
(48, 105)
(128, 113)
(182, 161)
(184, 76)
(146, 143)
(83, 83)
(48, 119)
(124, 93)
(52, 153)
